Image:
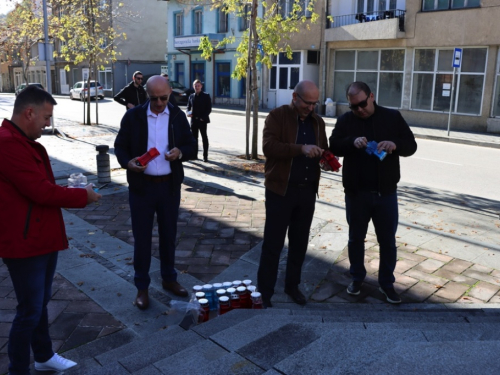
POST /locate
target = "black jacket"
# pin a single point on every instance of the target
(132, 141)
(201, 106)
(388, 125)
(131, 94)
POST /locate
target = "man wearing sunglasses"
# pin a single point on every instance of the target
(370, 182)
(156, 187)
(133, 94)
(294, 138)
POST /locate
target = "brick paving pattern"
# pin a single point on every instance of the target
(421, 276)
(74, 318)
(215, 227)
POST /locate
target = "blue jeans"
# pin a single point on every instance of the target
(383, 211)
(162, 199)
(293, 212)
(32, 281)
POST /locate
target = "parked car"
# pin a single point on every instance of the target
(180, 93)
(22, 86)
(80, 91)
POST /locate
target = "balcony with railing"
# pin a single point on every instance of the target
(386, 24)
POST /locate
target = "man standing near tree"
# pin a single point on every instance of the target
(199, 108)
(293, 141)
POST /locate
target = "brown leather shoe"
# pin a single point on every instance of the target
(175, 288)
(142, 299)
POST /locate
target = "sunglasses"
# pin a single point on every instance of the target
(156, 98)
(363, 104)
(139, 78)
(307, 103)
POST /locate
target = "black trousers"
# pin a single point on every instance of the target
(200, 126)
(293, 212)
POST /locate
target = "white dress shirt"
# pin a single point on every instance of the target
(158, 137)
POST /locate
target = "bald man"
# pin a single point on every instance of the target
(293, 140)
(155, 188)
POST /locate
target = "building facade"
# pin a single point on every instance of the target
(143, 48)
(188, 22)
(405, 51)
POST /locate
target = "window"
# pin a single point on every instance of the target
(283, 59)
(433, 76)
(272, 78)
(375, 6)
(197, 21)
(223, 19)
(449, 4)
(366, 6)
(387, 5)
(381, 70)
(178, 24)
(245, 17)
(105, 79)
(286, 8)
(179, 73)
(223, 84)
(496, 98)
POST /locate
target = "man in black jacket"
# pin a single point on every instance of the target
(370, 182)
(199, 108)
(133, 94)
(156, 187)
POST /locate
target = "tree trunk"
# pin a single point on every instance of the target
(88, 122)
(255, 89)
(248, 90)
(96, 95)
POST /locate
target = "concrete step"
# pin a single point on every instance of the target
(339, 340)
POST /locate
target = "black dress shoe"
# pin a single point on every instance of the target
(266, 303)
(296, 295)
(205, 160)
(175, 288)
(142, 299)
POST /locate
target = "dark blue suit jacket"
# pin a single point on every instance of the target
(132, 141)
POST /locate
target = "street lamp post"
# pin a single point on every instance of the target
(47, 57)
(47, 49)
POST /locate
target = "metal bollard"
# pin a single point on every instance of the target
(103, 166)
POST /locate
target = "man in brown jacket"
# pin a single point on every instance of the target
(293, 140)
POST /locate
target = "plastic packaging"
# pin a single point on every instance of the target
(77, 180)
(371, 149)
(152, 153)
(329, 158)
(186, 312)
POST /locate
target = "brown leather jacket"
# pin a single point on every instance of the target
(279, 145)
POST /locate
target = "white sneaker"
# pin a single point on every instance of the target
(56, 363)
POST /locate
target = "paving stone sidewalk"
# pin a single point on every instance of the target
(74, 317)
(221, 219)
(215, 227)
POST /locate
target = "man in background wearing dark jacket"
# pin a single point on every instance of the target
(32, 228)
(370, 181)
(199, 108)
(133, 94)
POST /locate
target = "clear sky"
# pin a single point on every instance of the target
(6, 6)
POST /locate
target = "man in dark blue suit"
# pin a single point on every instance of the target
(155, 187)
(199, 108)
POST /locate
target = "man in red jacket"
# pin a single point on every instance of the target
(32, 228)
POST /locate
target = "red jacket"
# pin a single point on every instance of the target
(31, 221)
